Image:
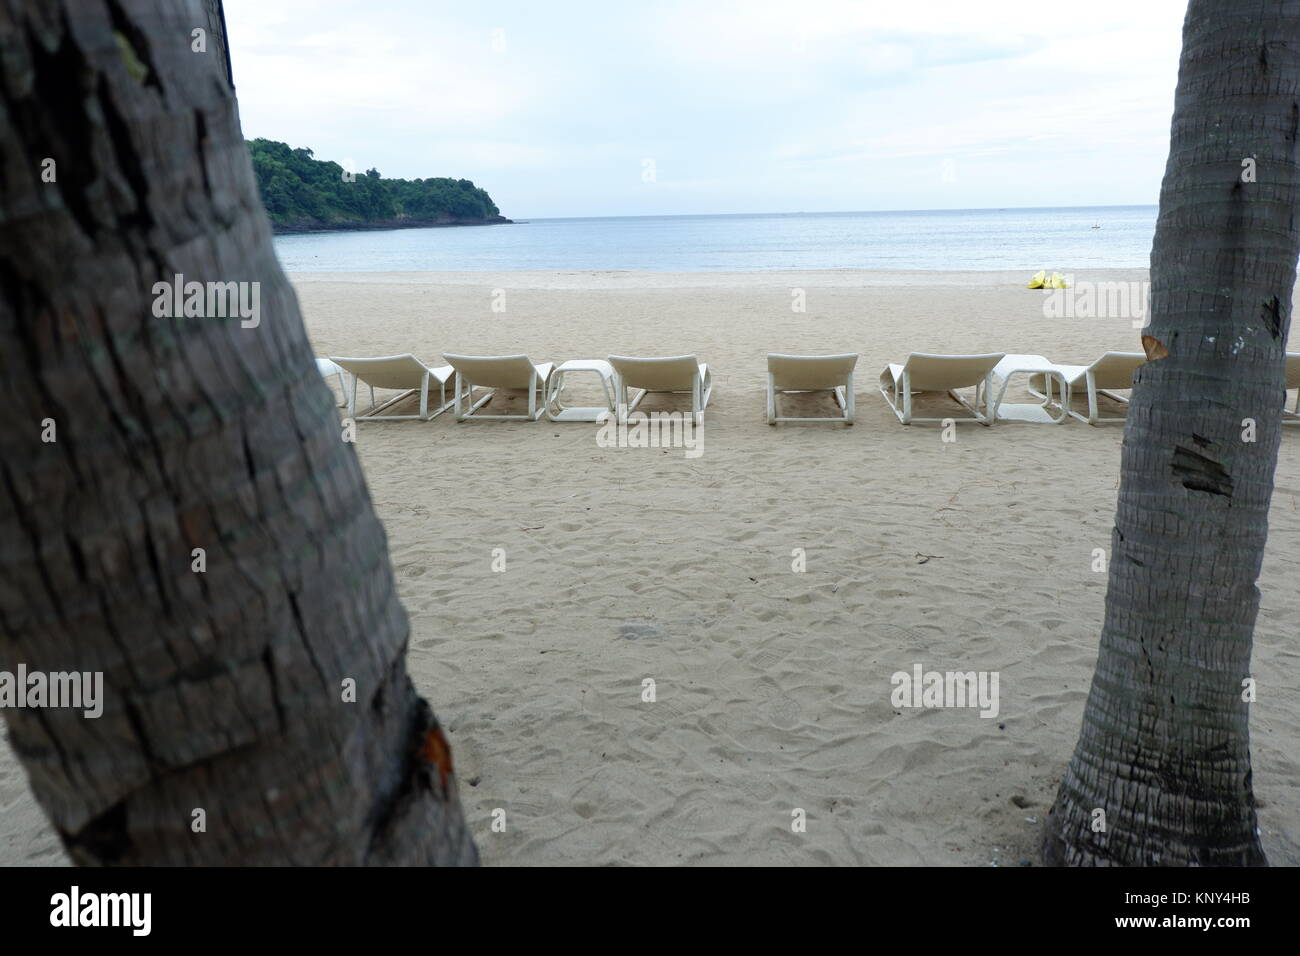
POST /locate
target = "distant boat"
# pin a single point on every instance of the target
(1096, 227)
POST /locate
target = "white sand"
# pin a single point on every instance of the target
(773, 687)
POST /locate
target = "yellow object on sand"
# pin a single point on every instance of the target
(1057, 282)
(1037, 281)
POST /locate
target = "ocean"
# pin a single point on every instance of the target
(1064, 239)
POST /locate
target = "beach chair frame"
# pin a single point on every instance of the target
(699, 386)
(808, 364)
(359, 368)
(898, 380)
(1086, 376)
(498, 368)
(1291, 416)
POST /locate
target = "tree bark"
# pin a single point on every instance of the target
(224, 688)
(1164, 751)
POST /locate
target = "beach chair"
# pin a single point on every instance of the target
(791, 374)
(924, 372)
(328, 368)
(403, 372)
(1114, 370)
(499, 373)
(676, 374)
(1291, 416)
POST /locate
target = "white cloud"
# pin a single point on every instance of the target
(746, 106)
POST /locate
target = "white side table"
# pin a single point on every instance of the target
(555, 410)
(1013, 365)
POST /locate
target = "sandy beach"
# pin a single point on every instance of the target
(772, 685)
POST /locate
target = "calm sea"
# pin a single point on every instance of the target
(1078, 237)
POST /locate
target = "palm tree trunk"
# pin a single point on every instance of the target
(224, 673)
(1163, 758)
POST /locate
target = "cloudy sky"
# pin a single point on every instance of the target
(705, 106)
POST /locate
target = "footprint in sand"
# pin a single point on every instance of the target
(693, 820)
(640, 631)
(783, 712)
(758, 788)
(765, 660)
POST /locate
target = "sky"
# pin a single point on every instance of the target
(670, 108)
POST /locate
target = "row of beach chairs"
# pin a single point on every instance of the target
(921, 374)
(517, 373)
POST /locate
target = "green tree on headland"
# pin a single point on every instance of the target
(302, 192)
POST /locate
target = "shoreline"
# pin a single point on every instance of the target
(593, 279)
(299, 229)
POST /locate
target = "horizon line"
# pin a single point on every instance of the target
(834, 212)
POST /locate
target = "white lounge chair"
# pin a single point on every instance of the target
(328, 368)
(924, 372)
(1291, 416)
(810, 373)
(499, 373)
(403, 372)
(1114, 370)
(677, 374)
